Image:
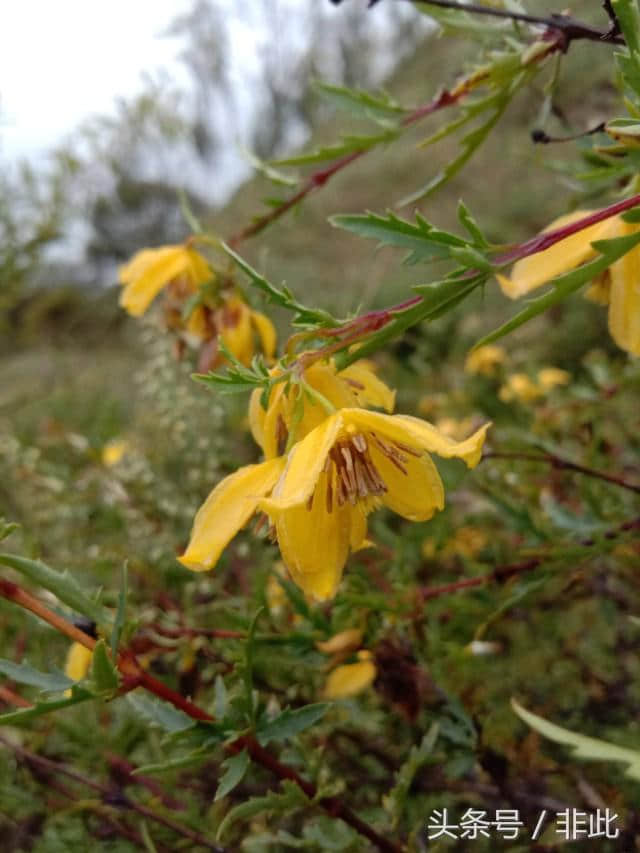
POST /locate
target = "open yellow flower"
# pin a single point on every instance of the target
(322, 491)
(181, 271)
(356, 385)
(619, 287)
(151, 270)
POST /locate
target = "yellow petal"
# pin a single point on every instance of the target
(550, 377)
(418, 434)
(416, 495)
(145, 277)
(315, 543)
(357, 539)
(78, 661)
(257, 416)
(345, 641)
(266, 332)
(304, 464)
(226, 510)
(531, 272)
(368, 389)
(624, 304)
(349, 679)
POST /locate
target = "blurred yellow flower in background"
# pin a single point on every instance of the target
(520, 387)
(113, 451)
(151, 270)
(349, 679)
(485, 360)
(455, 428)
(619, 287)
(551, 377)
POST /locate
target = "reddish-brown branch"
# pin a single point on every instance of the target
(12, 698)
(134, 676)
(564, 465)
(502, 573)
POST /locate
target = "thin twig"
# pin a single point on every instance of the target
(108, 795)
(571, 29)
(563, 464)
(134, 676)
(502, 573)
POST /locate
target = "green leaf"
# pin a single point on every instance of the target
(235, 768)
(290, 797)
(564, 285)
(348, 145)
(267, 171)
(61, 584)
(160, 713)
(381, 108)
(25, 674)
(289, 723)
(25, 715)
(583, 747)
(248, 665)
(425, 242)
(468, 222)
(221, 698)
(7, 528)
(121, 612)
(394, 802)
(103, 673)
(183, 761)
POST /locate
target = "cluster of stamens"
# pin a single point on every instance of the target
(352, 473)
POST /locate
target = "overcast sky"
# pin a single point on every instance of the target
(61, 61)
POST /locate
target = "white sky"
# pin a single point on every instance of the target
(62, 61)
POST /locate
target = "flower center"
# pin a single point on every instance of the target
(351, 473)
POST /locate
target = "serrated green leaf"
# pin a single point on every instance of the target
(290, 723)
(189, 760)
(395, 801)
(160, 713)
(104, 675)
(583, 747)
(235, 768)
(121, 611)
(290, 797)
(564, 285)
(61, 584)
(468, 222)
(269, 172)
(425, 242)
(23, 673)
(25, 715)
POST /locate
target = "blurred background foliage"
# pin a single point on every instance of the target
(107, 449)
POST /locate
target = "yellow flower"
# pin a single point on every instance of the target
(290, 405)
(346, 641)
(485, 360)
(322, 492)
(454, 428)
(551, 377)
(151, 270)
(182, 271)
(619, 287)
(78, 663)
(113, 451)
(349, 679)
(520, 387)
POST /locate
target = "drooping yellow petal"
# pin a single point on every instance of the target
(418, 434)
(345, 641)
(416, 495)
(624, 304)
(314, 542)
(78, 661)
(266, 332)
(349, 679)
(226, 510)
(368, 389)
(567, 254)
(304, 464)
